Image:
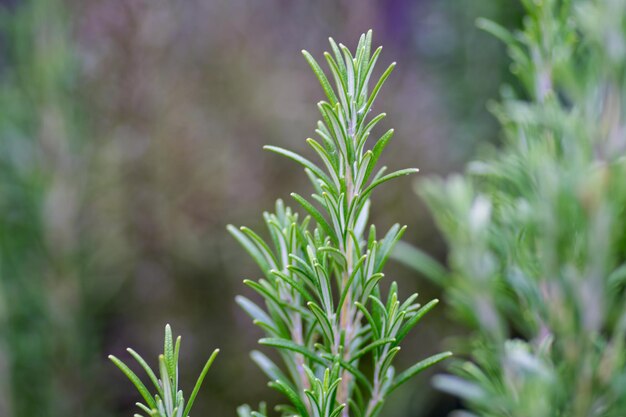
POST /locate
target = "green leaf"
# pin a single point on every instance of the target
(326, 159)
(377, 87)
(324, 322)
(282, 387)
(325, 286)
(291, 346)
(496, 30)
(386, 178)
(414, 320)
(253, 310)
(417, 368)
(391, 238)
(301, 160)
(147, 369)
(355, 271)
(251, 248)
(319, 73)
(339, 78)
(369, 70)
(337, 129)
(364, 135)
(350, 71)
(460, 387)
(263, 248)
(378, 405)
(392, 297)
(304, 271)
(294, 284)
(371, 284)
(373, 345)
(166, 380)
(267, 366)
(378, 149)
(168, 351)
(135, 380)
(317, 216)
(379, 307)
(387, 360)
(355, 409)
(338, 57)
(360, 177)
(176, 353)
(199, 381)
(145, 410)
(335, 254)
(337, 410)
(333, 208)
(276, 306)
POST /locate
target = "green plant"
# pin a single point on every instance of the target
(49, 340)
(324, 311)
(168, 400)
(537, 230)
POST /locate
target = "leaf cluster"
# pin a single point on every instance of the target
(323, 310)
(168, 400)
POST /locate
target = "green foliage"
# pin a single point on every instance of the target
(537, 230)
(168, 400)
(324, 312)
(469, 63)
(48, 345)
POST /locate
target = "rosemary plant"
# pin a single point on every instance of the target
(536, 230)
(324, 309)
(168, 400)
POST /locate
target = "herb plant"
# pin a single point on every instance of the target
(537, 229)
(168, 400)
(324, 309)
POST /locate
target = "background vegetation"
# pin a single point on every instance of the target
(536, 228)
(130, 135)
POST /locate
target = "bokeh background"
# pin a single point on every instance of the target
(131, 135)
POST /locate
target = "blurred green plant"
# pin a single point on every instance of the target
(324, 311)
(169, 400)
(469, 65)
(537, 229)
(47, 331)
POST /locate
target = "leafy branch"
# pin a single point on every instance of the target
(168, 400)
(324, 311)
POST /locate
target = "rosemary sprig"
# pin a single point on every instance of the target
(168, 400)
(324, 311)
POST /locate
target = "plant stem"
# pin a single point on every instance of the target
(346, 322)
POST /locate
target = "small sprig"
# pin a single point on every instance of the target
(324, 311)
(168, 400)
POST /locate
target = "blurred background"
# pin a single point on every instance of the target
(131, 135)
